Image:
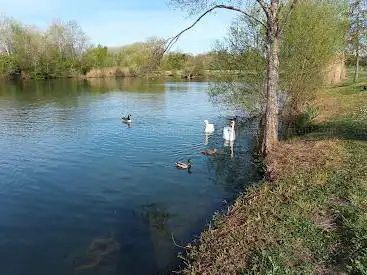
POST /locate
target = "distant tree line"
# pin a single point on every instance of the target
(64, 50)
(58, 51)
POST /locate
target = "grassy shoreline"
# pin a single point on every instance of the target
(313, 220)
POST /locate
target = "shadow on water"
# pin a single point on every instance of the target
(145, 239)
(134, 239)
(141, 239)
(113, 254)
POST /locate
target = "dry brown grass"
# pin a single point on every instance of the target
(332, 106)
(110, 72)
(336, 72)
(286, 158)
(328, 107)
(265, 217)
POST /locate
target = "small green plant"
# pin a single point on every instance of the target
(259, 163)
(305, 119)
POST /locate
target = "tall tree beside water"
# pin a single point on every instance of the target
(358, 32)
(273, 46)
(274, 24)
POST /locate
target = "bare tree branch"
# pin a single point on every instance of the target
(263, 6)
(174, 242)
(174, 39)
(286, 20)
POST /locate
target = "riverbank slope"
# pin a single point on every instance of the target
(313, 218)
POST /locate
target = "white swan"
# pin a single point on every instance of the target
(209, 128)
(229, 133)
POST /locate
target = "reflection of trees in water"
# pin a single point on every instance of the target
(141, 92)
(156, 216)
(37, 101)
(48, 90)
(101, 257)
(55, 91)
(34, 95)
(130, 84)
(179, 85)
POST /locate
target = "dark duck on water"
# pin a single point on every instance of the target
(126, 119)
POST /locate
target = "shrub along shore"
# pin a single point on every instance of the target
(312, 217)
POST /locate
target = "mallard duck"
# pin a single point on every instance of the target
(209, 128)
(183, 165)
(126, 119)
(209, 152)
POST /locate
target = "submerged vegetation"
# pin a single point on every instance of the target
(101, 253)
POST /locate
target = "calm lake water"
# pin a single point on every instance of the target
(83, 193)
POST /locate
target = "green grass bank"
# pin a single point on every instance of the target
(313, 219)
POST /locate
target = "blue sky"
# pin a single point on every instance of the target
(120, 22)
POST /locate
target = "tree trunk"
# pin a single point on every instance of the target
(356, 67)
(7, 50)
(271, 116)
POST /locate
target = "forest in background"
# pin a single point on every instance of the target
(64, 50)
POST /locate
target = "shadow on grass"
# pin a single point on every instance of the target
(341, 129)
(358, 87)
